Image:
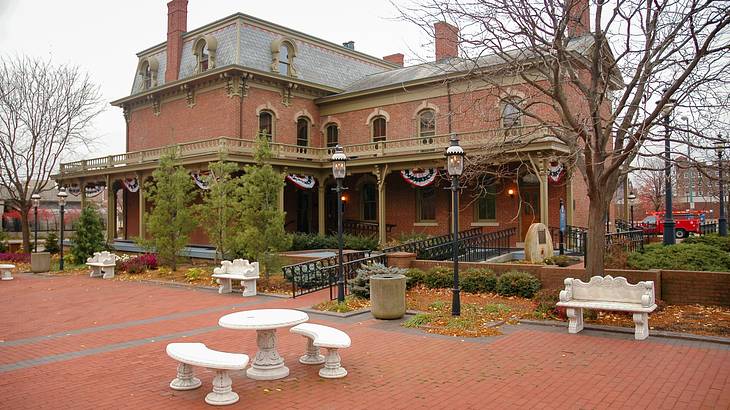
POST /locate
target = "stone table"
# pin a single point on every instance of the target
(268, 364)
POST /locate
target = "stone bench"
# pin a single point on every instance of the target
(5, 269)
(608, 293)
(239, 270)
(323, 336)
(198, 354)
(102, 264)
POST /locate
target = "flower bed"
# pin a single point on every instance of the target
(15, 257)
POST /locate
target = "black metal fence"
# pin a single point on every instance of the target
(471, 248)
(629, 241)
(311, 276)
(363, 228)
(349, 269)
(416, 246)
(574, 239)
(708, 228)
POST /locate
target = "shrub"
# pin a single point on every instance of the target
(478, 281)
(138, 264)
(360, 243)
(517, 284)
(546, 300)
(682, 256)
(715, 240)
(306, 241)
(415, 277)
(89, 235)
(52, 244)
(194, 274)
(412, 237)
(360, 286)
(562, 260)
(438, 277)
(15, 257)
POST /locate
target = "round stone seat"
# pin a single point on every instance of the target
(5, 271)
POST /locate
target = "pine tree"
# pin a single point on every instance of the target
(171, 220)
(218, 214)
(52, 245)
(262, 233)
(89, 235)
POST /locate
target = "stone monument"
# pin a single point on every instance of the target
(538, 243)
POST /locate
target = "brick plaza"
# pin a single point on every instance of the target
(74, 342)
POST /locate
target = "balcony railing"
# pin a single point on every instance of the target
(506, 139)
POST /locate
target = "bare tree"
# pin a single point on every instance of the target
(599, 75)
(45, 113)
(650, 184)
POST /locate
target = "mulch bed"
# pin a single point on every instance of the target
(697, 319)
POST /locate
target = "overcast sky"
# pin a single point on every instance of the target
(102, 37)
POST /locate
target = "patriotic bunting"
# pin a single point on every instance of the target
(420, 177)
(302, 181)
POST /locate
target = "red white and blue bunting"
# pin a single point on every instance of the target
(556, 172)
(203, 179)
(420, 177)
(91, 191)
(302, 181)
(132, 184)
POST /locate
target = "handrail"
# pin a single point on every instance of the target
(473, 248)
(231, 145)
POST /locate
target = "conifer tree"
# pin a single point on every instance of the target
(219, 212)
(262, 233)
(88, 236)
(171, 220)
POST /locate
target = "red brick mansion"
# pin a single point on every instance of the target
(210, 91)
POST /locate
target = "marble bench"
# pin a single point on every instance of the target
(102, 264)
(239, 270)
(5, 269)
(323, 336)
(198, 354)
(608, 293)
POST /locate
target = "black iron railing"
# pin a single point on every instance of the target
(472, 248)
(574, 239)
(311, 276)
(349, 269)
(622, 225)
(708, 228)
(364, 228)
(416, 246)
(629, 241)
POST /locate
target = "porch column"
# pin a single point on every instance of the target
(320, 205)
(381, 173)
(110, 209)
(544, 194)
(569, 200)
(281, 191)
(140, 195)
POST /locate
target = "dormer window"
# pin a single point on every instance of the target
(283, 52)
(147, 72)
(204, 49)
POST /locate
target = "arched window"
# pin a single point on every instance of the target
(283, 53)
(379, 129)
(146, 74)
(266, 124)
(426, 123)
(204, 49)
(302, 132)
(284, 62)
(511, 113)
(369, 202)
(333, 135)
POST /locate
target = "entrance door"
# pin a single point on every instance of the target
(530, 197)
(304, 211)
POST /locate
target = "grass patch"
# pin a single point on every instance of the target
(350, 304)
(417, 320)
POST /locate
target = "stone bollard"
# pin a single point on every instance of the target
(388, 296)
(40, 262)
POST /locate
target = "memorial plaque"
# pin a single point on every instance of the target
(541, 237)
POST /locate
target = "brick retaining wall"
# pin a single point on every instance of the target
(673, 287)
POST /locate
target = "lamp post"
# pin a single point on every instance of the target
(691, 199)
(632, 198)
(339, 170)
(62, 203)
(36, 198)
(668, 217)
(455, 167)
(721, 220)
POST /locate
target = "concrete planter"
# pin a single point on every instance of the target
(388, 296)
(40, 262)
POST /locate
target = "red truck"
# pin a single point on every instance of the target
(685, 223)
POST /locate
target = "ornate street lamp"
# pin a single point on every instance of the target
(721, 220)
(62, 203)
(632, 198)
(36, 198)
(339, 170)
(455, 167)
(668, 217)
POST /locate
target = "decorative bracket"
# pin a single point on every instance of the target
(127, 112)
(286, 93)
(155, 104)
(189, 94)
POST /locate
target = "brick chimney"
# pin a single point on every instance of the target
(579, 15)
(177, 25)
(446, 39)
(395, 59)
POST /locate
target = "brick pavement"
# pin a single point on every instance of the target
(76, 342)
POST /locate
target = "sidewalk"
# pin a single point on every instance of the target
(76, 342)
